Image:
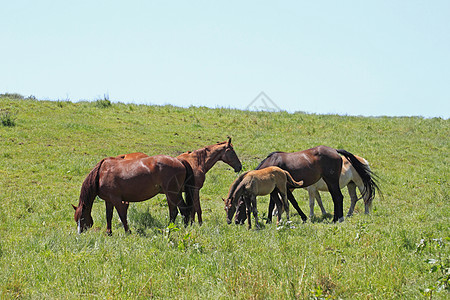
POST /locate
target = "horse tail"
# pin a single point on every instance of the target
(368, 177)
(291, 182)
(189, 184)
(89, 188)
(260, 166)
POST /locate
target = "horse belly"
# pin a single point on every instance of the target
(321, 185)
(129, 187)
(264, 188)
(140, 188)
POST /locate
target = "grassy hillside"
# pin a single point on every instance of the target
(47, 148)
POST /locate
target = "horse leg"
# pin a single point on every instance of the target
(280, 207)
(197, 207)
(122, 210)
(240, 215)
(248, 206)
(255, 210)
(285, 205)
(109, 215)
(295, 205)
(173, 210)
(365, 197)
(336, 194)
(273, 197)
(351, 186)
(319, 201)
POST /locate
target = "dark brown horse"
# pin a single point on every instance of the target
(119, 181)
(310, 166)
(202, 160)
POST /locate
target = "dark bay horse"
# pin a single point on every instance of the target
(202, 160)
(311, 165)
(119, 181)
(259, 183)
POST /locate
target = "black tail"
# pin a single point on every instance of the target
(189, 186)
(367, 176)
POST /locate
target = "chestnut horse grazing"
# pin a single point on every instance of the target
(313, 164)
(259, 183)
(351, 179)
(119, 181)
(202, 160)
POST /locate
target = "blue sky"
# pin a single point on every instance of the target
(374, 58)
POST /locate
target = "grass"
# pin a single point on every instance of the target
(391, 253)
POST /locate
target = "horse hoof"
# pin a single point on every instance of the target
(341, 219)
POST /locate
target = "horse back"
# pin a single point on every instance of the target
(262, 182)
(134, 155)
(140, 179)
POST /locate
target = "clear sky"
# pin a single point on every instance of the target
(367, 58)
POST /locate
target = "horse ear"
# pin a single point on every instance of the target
(223, 200)
(74, 207)
(229, 141)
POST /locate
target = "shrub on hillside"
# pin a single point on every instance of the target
(7, 118)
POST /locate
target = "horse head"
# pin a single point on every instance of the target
(230, 209)
(230, 157)
(83, 218)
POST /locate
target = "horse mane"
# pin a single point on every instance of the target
(89, 187)
(235, 184)
(265, 159)
(202, 153)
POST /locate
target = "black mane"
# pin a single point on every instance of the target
(264, 160)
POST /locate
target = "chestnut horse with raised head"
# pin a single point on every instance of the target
(119, 181)
(259, 183)
(202, 160)
(311, 165)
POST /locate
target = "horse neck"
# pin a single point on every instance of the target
(235, 184)
(86, 206)
(87, 197)
(207, 157)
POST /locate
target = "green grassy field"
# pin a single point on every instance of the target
(400, 250)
